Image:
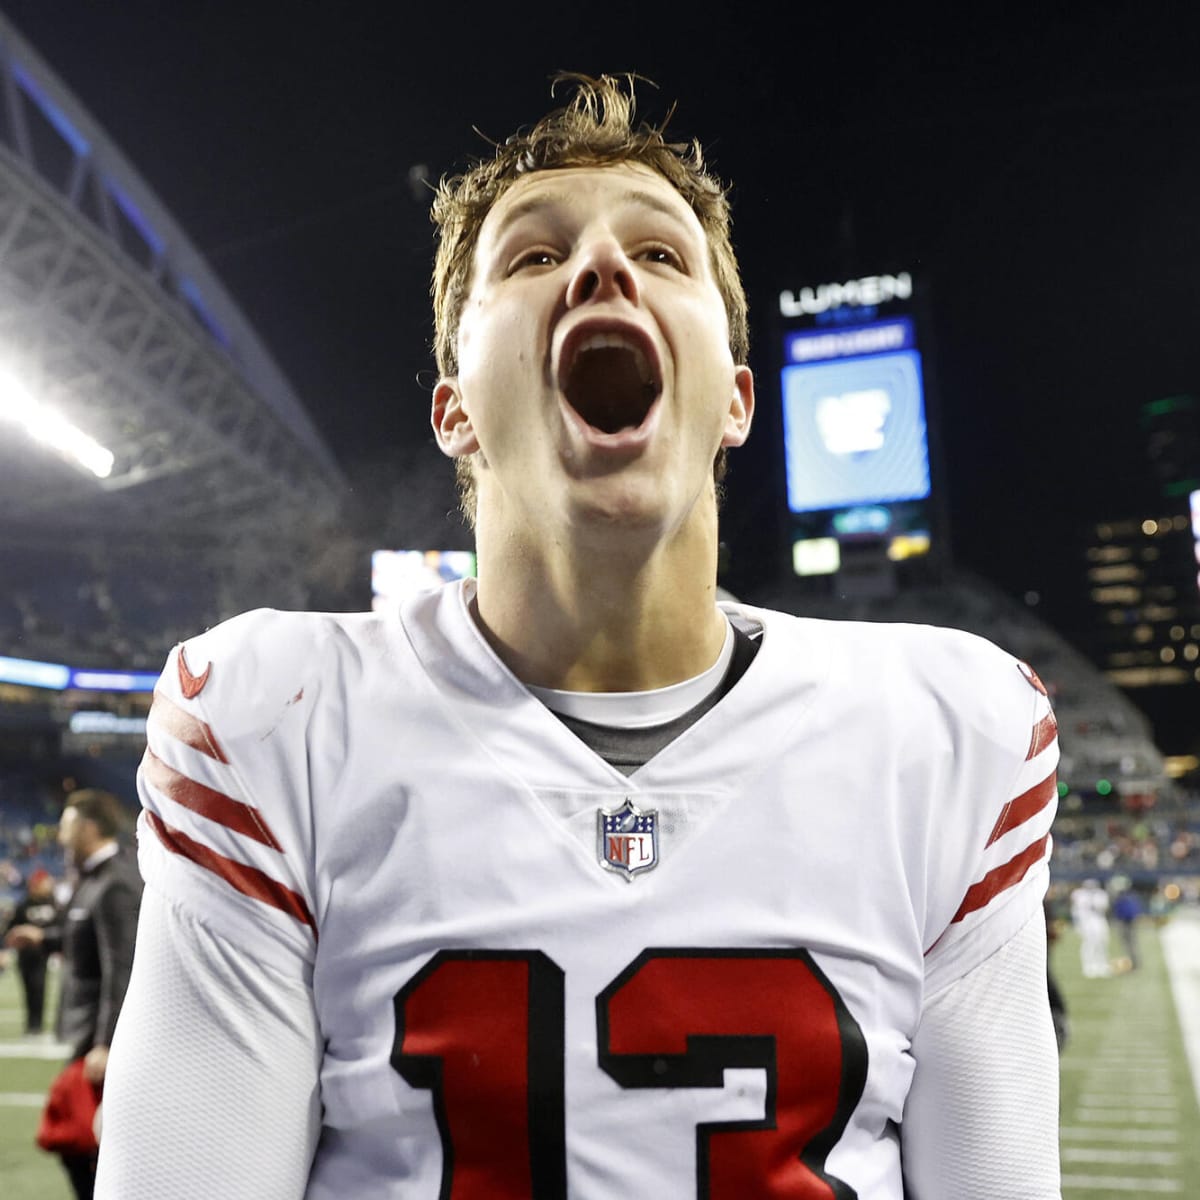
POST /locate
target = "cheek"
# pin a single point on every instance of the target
(494, 343)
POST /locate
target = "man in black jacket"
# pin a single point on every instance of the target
(38, 908)
(96, 938)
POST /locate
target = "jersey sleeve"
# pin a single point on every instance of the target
(225, 831)
(991, 864)
(981, 1118)
(212, 1087)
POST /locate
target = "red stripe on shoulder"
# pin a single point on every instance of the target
(1020, 808)
(1044, 732)
(183, 727)
(250, 881)
(1031, 677)
(980, 894)
(208, 802)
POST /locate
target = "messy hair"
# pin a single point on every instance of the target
(595, 129)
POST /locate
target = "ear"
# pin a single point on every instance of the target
(741, 408)
(450, 420)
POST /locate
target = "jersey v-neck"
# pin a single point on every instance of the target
(625, 740)
(638, 710)
(494, 709)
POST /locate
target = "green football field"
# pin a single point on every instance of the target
(1130, 1122)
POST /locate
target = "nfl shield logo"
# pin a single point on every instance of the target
(628, 839)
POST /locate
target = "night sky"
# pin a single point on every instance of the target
(1040, 175)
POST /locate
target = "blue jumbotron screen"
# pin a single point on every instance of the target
(854, 417)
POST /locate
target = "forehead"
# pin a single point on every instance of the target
(585, 192)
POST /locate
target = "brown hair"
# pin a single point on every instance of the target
(595, 129)
(101, 807)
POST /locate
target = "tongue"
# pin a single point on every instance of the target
(606, 389)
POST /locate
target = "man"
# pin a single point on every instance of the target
(36, 908)
(1089, 913)
(1127, 908)
(568, 881)
(96, 939)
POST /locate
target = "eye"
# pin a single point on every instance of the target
(534, 257)
(663, 255)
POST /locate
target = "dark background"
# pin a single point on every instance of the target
(1037, 169)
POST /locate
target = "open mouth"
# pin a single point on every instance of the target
(610, 381)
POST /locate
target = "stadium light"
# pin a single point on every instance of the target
(42, 423)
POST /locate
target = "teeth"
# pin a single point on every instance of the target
(617, 341)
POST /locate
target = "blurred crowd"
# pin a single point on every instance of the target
(1141, 845)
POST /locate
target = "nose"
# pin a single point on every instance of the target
(603, 272)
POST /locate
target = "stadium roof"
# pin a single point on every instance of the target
(110, 320)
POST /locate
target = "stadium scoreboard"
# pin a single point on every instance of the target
(859, 486)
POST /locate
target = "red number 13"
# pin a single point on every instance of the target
(484, 1031)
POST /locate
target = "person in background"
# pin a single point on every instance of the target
(39, 909)
(1089, 914)
(95, 935)
(1126, 909)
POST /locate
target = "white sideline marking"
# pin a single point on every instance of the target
(22, 1099)
(1181, 948)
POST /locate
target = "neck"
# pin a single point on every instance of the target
(95, 847)
(605, 614)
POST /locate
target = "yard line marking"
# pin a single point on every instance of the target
(22, 1099)
(1080, 1064)
(1148, 1158)
(1080, 1133)
(1139, 1116)
(1107, 1100)
(35, 1050)
(1109, 1081)
(1120, 1183)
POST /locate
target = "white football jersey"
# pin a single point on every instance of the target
(536, 977)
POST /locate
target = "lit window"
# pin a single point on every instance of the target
(1177, 632)
(1116, 594)
(1143, 634)
(1149, 528)
(1113, 574)
(1191, 652)
(1149, 676)
(1167, 654)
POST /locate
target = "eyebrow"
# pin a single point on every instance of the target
(559, 199)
